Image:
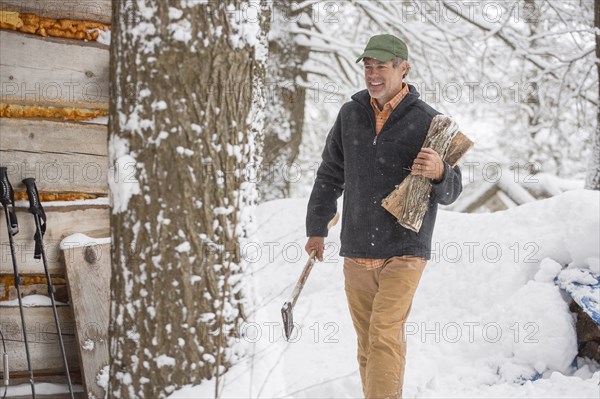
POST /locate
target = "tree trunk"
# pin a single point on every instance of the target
(285, 119)
(592, 181)
(185, 110)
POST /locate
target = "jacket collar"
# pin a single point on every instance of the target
(363, 98)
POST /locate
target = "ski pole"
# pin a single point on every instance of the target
(35, 208)
(7, 197)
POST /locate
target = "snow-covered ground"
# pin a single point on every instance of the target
(487, 319)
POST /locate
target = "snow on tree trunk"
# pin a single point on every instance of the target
(285, 119)
(185, 120)
(592, 181)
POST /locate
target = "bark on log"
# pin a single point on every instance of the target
(409, 201)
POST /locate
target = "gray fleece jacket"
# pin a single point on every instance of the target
(366, 167)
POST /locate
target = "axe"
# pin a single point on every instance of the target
(288, 307)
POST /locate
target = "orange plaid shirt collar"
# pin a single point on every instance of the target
(381, 116)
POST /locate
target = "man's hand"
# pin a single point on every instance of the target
(429, 164)
(317, 244)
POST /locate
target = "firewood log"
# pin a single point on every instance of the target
(410, 200)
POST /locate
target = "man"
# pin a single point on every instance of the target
(374, 144)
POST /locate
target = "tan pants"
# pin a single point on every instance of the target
(380, 301)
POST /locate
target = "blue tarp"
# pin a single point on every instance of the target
(585, 295)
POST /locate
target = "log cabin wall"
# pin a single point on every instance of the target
(54, 77)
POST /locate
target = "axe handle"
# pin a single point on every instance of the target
(303, 277)
(309, 265)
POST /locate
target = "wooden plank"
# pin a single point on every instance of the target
(92, 220)
(90, 10)
(61, 156)
(58, 172)
(51, 70)
(57, 137)
(88, 277)
(44, 347)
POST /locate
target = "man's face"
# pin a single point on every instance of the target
(382, 79)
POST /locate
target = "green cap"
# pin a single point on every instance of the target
(384, 47)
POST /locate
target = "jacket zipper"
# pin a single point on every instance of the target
(372, 167)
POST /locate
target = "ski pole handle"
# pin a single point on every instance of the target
(7, 195)
(35, 207)
(32, 193)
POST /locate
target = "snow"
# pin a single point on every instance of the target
(175, 13)
(487, 319)
(103, 36)
(183, 247)
(159, 105)
(124, 185)
(164, 360)
(102, 378)
(88, 345)
(196, 128)
(40, 387)
(549, 184)
(184, 151)
(593, 264)
(223, 211)
(549, 269)
(32, 301)
(99, 120)
(81, 240)
(181, 30)
(578, 276)
(245, 24)
(514, 189)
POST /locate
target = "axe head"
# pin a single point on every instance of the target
(288, 319)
